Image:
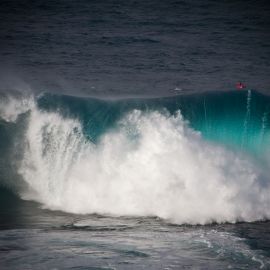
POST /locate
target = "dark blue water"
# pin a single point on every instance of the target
(32, 238)
(133, 47)
(123, 142)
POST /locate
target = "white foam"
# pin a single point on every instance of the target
(151, 164)
(11, 107)
(228, 245)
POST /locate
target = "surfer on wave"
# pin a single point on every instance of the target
(240, 86)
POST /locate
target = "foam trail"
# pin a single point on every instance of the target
(149, 164)
(263, 128)
(247, 118)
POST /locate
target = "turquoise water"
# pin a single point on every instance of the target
(239, 119)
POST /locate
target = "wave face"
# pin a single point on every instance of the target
(236, 119)
(193, 159)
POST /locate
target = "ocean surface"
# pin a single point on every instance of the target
(134, 48)
(123, 141)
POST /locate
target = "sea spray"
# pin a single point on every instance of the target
(247, 120)
(11, 106)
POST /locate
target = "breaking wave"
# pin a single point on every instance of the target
(191, 159)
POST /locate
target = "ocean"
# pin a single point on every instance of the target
(124, 143)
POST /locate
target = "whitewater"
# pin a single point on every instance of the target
(145, 157)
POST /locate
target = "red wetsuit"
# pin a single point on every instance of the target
(240, 86)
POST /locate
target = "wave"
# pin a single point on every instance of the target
(192, 159)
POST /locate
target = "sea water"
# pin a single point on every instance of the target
(118, 149)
